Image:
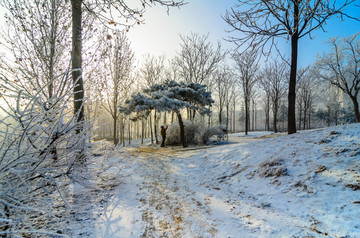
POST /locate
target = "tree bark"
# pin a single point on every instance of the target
(115, 138)
(220, 115)
(151, 130)
(234, 116)
(227, 116)
(356, 109)
(76, 59)
(275, 117)
(292, 82)
(182, 129)
(155, 128)
(247, 121)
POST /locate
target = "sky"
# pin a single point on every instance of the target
(160, 33)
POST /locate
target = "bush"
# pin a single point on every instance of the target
(195, 133)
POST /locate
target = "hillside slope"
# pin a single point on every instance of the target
(301, 185)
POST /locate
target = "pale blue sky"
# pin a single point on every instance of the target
(160, 33)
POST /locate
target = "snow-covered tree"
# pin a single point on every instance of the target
(246, 65)
(153, 71)
(171, 96)
(38, 148)
(197, 58)
(273, 80)
(223, 83)
(261, 21)
(115, 82)
(306, 96)
(341, 67)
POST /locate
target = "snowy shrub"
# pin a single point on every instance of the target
(195, 133)
(208, 133)
(39, 150)
(273, 168)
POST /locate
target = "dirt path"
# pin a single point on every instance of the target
(171, 192)
(169, 204)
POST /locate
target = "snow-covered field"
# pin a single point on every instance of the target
(260, 185)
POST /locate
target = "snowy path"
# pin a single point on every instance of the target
(169, 195)
(221, 191)
(161, 198)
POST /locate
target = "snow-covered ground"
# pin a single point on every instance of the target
(260, 185)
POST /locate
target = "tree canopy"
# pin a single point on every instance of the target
(170, 96)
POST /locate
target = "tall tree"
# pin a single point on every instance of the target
(153, 72)
(197, 58)
(106, 11)
(261, 21)
(306, 95)
(275, 80)
(246, 65)
(40, 53)
(341, 67)
(171, 96)
(223, 82)
(118, 65)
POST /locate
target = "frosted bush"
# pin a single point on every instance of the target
(195, 133)
(39, 154)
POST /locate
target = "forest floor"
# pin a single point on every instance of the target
(260, 185)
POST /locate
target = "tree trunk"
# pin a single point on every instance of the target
(142, 131)
(305, 115)
(275, 111)
(220, 115)
(267, 116)
(227, 116)
(182, 129)
(155, 128)
(115, 138)
(234, 116)
(254, 116)
(129, 129)
(247, 123)
(76, 59)
(300, 115)
(164, 118)
(293, 69)
(151, 130)
(356, 109)
(309, 125)
(209, 119)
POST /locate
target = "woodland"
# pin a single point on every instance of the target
(69, 79)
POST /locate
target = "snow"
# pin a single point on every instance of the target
(260, 185)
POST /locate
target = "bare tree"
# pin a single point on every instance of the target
(274, 81)
(116, 80)
(222, 84)
(153, 72)
(246, 65)
(111, 13)
(40, 53)
(261, 21)
(341, 67)
(266, 99)
(198, 59)
(306, 95)
(37, 130)
(172, 71)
